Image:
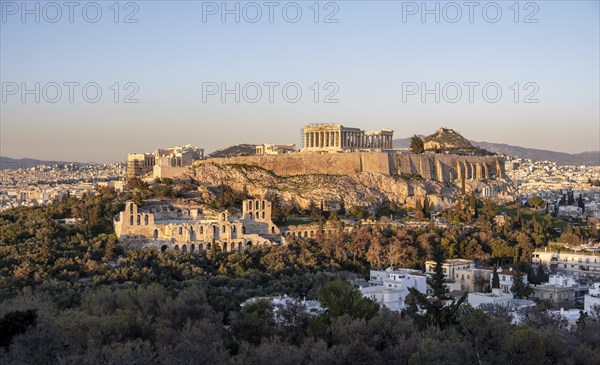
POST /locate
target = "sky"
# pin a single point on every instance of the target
(112, 78)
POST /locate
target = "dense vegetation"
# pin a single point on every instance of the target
(71, 294)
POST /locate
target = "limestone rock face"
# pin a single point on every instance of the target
(365, 189)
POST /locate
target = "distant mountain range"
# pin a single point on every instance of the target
(7, 163)
(585, 158)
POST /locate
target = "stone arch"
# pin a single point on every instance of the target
(131, 207)
(208, 246)
(192, 248)
(223, 217)
(256, 205)
(200, 247)
(163, 248)
(145, 219)
(239, 246)
(272, 229)
(180, 231)
(243, 230)
(249, 244)
(305, 234)
(215, 231)
(312, 233)
(263, 205)
(224, 246)
(183, 248)
(176, 247)
(263, 215)
(139, 220)
(192, 234)
(201, 229)
(223, 229)
(131, 220)
(250, 215)
(155, 234)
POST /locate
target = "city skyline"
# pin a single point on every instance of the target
(362, 70)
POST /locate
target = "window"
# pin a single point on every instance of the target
(180, 230)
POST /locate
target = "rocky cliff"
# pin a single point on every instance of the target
(365, 189)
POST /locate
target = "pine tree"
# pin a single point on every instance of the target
(437, 279)
(519, 289)
(495, 278)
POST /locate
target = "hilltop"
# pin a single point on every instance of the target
(232, 151)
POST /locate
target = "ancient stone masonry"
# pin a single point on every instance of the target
(335, 137)
(437, 167)
(451, 168)
(174, 158)
(185, 228)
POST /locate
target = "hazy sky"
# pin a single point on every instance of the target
(372, 65)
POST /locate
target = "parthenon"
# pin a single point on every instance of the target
(336, 137)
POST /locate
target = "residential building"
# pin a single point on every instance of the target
(578, 264)
(392, 287)
(449, 266)
(506, 277)
(592, 299)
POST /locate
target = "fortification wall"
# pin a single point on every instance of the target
(449, 168)
(437, 167)
(347, 163)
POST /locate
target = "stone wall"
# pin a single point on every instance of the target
(348, 163)
(437, 167)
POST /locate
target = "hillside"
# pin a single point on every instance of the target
(587, 158)
(365, 189)
(237, 150)
(26, 163)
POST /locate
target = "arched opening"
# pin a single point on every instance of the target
(176, 247)
(192, 234)
(155, 234)
(146, 219)
(256, 205)
(184, 248)
(305, 234)
(201, 230)
(263, 215)
(312, 233)
(223, 217)
(243, 230)
(131, 220)
(273, 230)
(200, 247)
(224, 246)
(208, 246)
(192, 248)
(223, 229)
(215, 231)
(239, 246)
(250, 215)
(131, 207)
(164, 248)
(249, 244)
(263, 204)
(180, 231)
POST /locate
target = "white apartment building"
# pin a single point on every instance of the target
(578, 264)
(592, 299)
(392, 287)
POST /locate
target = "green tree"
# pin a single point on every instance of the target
(416, 144)
(495, 278)
(519, 289)
(536, 202)
(339, 297)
